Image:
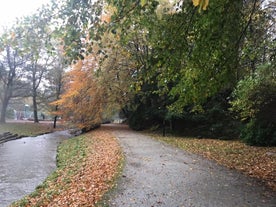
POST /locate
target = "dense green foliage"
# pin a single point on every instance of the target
(189, 62)
(255, 100)
(76, 23)
(259, 133)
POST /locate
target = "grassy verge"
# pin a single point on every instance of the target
(86, 168)
(258, 162)
(26, 129)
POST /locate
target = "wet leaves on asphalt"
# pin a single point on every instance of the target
(258, 162)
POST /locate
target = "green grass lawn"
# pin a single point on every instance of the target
(26, 128)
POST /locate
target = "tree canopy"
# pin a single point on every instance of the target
(160, 63)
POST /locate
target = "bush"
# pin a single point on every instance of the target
(259, 133)
(136, 120)
(254, 100)
(255, 93)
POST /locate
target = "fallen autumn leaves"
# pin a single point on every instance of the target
(87, 166)
(258, 162)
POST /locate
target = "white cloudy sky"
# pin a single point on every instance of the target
(10, 9)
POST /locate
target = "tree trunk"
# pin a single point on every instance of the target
(3, 111)
(5, 103)
(55, 122)
(164, 127)
(35, 108)
(55, 118)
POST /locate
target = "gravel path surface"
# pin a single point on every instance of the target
(156, 174)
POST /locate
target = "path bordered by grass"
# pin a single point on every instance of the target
(258, 162)
(26, 129)
(87, 166)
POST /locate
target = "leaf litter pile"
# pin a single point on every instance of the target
(87, 166)
(258, 162)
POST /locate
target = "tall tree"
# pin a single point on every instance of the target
(56, 84)
(254, 96)
(190, 55)
(37, 44)
(11, 63)
(82, 101)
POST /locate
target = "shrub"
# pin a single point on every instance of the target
(259, 133)
(254, 100)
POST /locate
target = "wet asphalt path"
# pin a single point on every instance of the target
(25, 163)
(158, 175)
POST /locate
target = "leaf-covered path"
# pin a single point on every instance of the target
(156, 174)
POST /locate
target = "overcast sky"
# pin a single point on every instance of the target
(10, 9)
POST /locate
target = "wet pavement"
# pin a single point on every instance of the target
(158, 175)
(25, 163)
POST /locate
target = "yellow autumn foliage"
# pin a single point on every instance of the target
(201, 3)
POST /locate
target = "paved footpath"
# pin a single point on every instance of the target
(158, 175)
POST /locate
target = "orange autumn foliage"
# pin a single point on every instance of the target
(81, 104)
